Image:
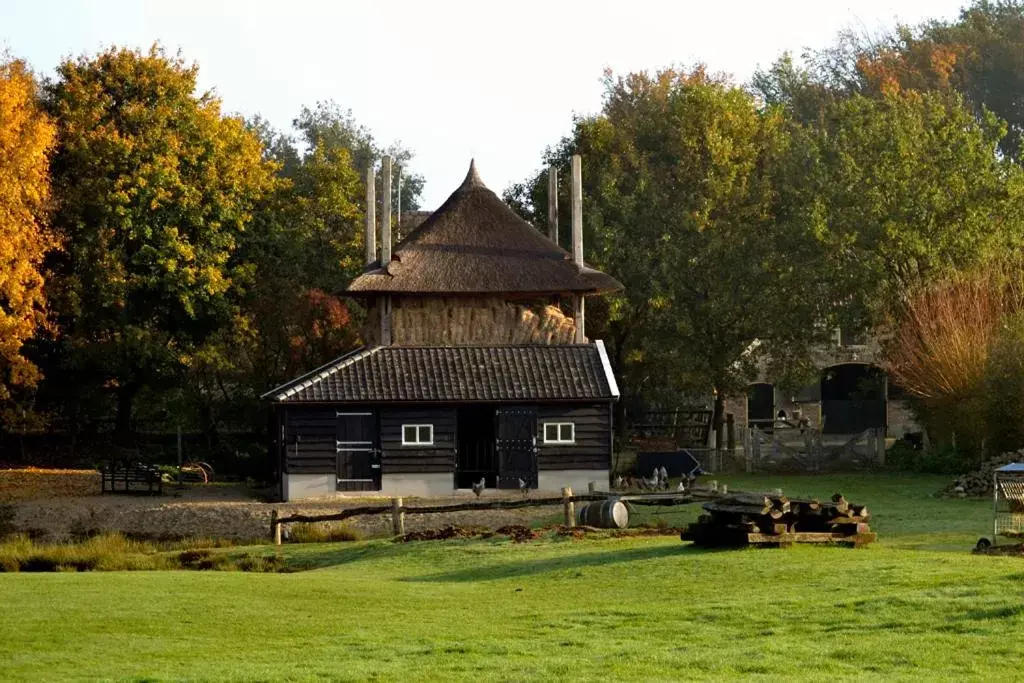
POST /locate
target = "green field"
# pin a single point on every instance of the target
(917, 605)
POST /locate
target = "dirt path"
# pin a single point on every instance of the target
(228, 512)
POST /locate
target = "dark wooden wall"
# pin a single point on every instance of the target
(315, 452)
(593, 447)
(399, 459)
(316, 430)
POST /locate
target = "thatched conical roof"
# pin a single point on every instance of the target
(476, 244)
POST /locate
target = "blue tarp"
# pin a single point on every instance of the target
(1012, 467)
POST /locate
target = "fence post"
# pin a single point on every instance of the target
(568, 506)
(748, 451)
(880, 446)
(275, 527)
(397, 517)
(730, 434)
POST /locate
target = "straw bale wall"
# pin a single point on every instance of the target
(462, 321)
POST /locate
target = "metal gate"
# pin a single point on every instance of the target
(358, 455)
(516, 442)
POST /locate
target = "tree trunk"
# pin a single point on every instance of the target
(718, 419)
(125, 402)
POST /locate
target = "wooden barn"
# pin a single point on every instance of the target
(476, 365)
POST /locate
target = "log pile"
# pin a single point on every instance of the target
(978, 483)
(749, 519)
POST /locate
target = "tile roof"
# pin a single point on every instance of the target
(458, 373)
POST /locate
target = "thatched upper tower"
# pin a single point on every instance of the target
(476, 245)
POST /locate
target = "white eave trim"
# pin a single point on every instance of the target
(613, 386)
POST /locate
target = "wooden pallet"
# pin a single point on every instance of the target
(717, 536)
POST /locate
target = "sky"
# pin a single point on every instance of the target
(498, 81)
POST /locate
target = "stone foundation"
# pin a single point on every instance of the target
(552, 481)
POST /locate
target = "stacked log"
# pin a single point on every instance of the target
(978, 483)
(773, 519)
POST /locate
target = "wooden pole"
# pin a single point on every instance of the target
(569, 507)
(371, 215)
(577, 244)
(275, 527)
(577, 210)
(553, 204)
(397, 517)
(385, 225)
(384, 301)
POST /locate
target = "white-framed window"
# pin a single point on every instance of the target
(417, 435)
(559, 432)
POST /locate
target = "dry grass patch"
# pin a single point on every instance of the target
(116, 552)
(33, 483)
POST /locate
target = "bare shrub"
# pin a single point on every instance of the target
(942, 348)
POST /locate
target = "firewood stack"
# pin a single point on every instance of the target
(747, 518)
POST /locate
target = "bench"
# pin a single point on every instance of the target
(136, 478)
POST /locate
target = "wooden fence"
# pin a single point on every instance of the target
(567, 500)
(809, 450)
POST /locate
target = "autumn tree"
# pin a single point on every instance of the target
(26, 137)
(979, 56)
(156, 188)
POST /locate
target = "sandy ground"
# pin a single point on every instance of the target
(231, 512)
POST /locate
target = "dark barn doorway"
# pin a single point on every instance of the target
(358, 463)
(516, 432)
(761, 406)
(853, 398)
(477, 457)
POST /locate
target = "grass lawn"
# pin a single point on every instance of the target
(916, 605)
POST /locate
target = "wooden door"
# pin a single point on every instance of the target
(358, 455)
(515, 431)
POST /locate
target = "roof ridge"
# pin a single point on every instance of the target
(487, 346)
(326, 370)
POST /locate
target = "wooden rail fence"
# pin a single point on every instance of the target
(567, 500)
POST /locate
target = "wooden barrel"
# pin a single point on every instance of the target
(611, 514)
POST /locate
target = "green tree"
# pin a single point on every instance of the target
(900, 189)
(156, 186)
(679, 205)
(331, 128)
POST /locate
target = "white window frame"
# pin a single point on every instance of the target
(559, 426)
(418, 441)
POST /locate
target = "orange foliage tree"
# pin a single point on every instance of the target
(943, 348)
(26, 137)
